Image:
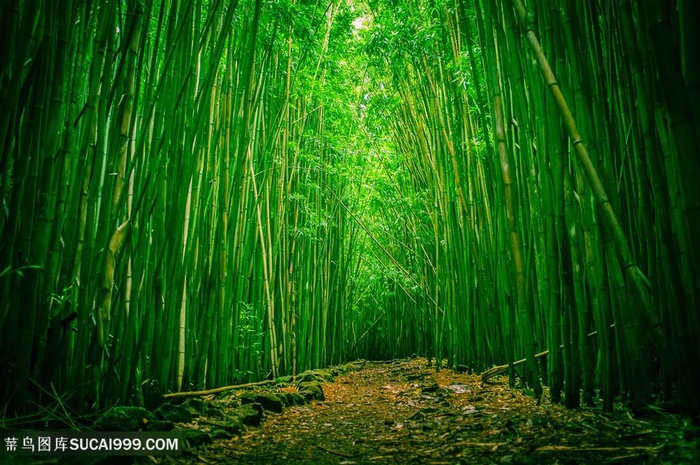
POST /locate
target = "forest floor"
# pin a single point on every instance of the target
(404, 412)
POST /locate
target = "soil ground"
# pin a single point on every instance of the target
(404, 412)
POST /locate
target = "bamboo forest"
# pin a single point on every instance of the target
(218, 199)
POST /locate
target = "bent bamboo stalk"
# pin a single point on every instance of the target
(216, 390)
(497, 370)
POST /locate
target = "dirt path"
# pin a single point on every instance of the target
(404, 412)
(364, 418)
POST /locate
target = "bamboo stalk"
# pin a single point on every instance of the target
(500, 369)
(627, 262)
(218, 390)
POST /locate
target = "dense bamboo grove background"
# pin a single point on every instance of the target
(202, 192)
